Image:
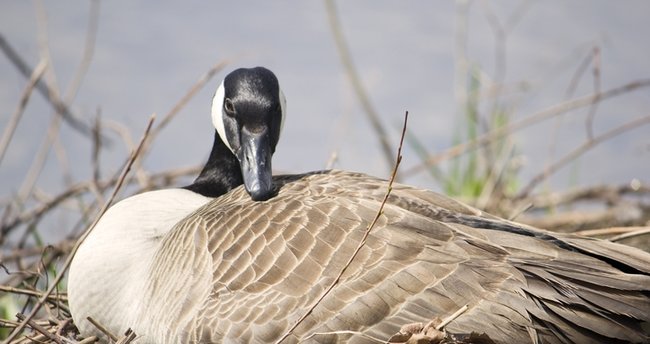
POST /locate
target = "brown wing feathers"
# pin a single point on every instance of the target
(272, 260)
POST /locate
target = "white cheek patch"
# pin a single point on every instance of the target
(283, 107)
(217, 115)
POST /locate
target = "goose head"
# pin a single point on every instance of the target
(247, 113)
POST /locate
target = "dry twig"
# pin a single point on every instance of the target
(514, 126)
(7, 289)
(353, 76)
(198, 85)
(571, 156)
(102, 329)
(39, 329)
(637, 231)
(24, 98)
(45, 89)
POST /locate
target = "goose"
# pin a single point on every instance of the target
(222, 262)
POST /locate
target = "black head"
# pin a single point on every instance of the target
(248, 112)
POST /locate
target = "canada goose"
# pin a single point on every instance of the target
(178, 266)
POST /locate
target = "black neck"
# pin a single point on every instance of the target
(220, 174)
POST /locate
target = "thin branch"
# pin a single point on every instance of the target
(96, 151)
(608, 231)
(102, 329)
(66, 265)
(589, 123)
(53, 129)
(452, 317)
(74, 86)
(460, 53)
(89, 340)
(362, 243)
(35, 169)
(129, 336)
(196, 87)
(353, 76)
(514, 126)
(638, 232)
(62, 246)
(81, 187)
(607, 193)
(44, 89)
(581, 150)
(495, 174)
(573, 85)
(24, 99)
(39, 328)
(333, 159)
(13, 290)
(88, 52)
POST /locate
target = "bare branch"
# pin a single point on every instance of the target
(45, 89)
(353, 76)
(89, 50)
(514, 126)
(13, 290)
(637, 232)
(198, 85)
(163, 178)
(39, 329)
(103, 329)
(579, 151)
(607, 193)
(24, 99)
(589, 123)
(452, 317)
(608, 231)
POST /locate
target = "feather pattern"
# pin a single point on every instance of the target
(239, 271)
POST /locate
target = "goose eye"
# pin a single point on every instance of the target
(228, 105)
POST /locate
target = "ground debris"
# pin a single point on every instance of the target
(434, 333)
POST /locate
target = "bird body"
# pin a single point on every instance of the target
(108, 267)
(179, 267)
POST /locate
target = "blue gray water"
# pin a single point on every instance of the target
(148, 54)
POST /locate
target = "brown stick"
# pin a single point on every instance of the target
(638, 232)
(8, 289)
(353, 76)
(39, 328)
(24, 98)
(579, 151)
(102, 329)
(514, 126)
(80, 188)
(129, 336)
(44, 89)
(198, 85)
(609, 231)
